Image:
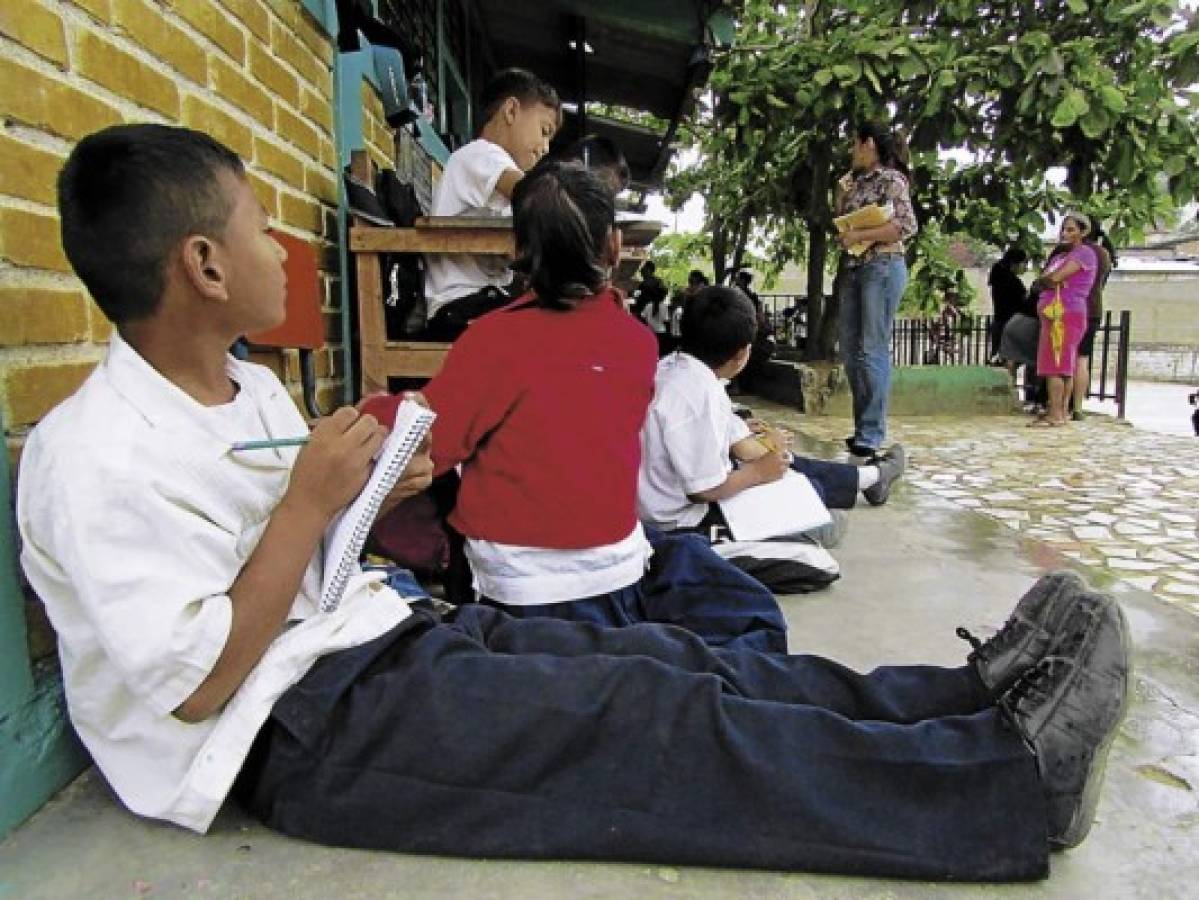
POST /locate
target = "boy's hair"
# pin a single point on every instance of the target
(648, 268)
(127, 196)
(521, 84)
(717, 323)
(695, 276)
(744, 276)
(602, 155)
(562, 215)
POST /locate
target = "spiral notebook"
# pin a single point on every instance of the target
(347, 533)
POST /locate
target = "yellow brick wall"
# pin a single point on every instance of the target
(256, 74)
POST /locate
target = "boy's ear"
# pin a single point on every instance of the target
(510, 110)
(203, 267)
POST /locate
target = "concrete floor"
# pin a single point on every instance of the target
(914, 570)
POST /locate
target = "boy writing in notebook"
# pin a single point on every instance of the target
(181, 580)
(691, 437)
(520, 114)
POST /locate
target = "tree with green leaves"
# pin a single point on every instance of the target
(1099, 90)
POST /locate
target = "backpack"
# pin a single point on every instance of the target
(405, 309)
(785, 566)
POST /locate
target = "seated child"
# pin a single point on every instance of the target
(691, 435)
(602, 156)
(181, 579)
(520, 113)
(541, 403)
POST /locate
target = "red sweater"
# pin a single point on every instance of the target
(544, 410)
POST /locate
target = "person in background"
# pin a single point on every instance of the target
(1106, 253)
(1008, 293)
(520, 113)
(602, 156)
(873, 283)
(1065, 285)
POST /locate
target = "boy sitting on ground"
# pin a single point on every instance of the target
(521, 113)
(691, 435)
(182, 578)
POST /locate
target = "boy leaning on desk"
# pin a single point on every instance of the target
(182, 578)
(520, 114)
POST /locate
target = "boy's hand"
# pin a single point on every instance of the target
(770, 467)
(416, 477)
(333, 467)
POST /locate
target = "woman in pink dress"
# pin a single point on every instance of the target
(1064, 284)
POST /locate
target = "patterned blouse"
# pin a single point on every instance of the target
(881, 186)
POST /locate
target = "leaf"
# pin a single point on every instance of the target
(1052, 63)
(1113, 99)
(1073, 106)
(1078, 7)
(823, 77)
(1174, 165)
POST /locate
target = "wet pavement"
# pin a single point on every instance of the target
(1123, 501)
(913, 570)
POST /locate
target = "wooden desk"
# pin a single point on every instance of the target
(381, 358)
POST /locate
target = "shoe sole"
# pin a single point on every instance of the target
(1084, 816)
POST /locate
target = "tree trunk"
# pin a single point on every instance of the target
(817, 254)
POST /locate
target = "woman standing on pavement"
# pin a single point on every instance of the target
(873, 282)
(1065, 285)
(1106, 255)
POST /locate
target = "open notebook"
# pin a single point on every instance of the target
(348, 531)
(787, 506)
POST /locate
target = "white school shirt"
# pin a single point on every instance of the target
(468, 187)
(530, 576)
(658, 319)
(135, 520)
(685, 442)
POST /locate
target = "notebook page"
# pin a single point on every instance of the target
(787, 506)
(348, 531)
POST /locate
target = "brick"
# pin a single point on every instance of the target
(267, 194)
(320, 184)
(288, 11)
(201, 115)
(253, 15)
(300, 212)
(214, 23)
(36, 28)
(145, 24)
(100, 9)
(314, 39)
(292, 51)
(318, 109)
(122, 73)
(328, 155)
(279, 162)
(34, 99)
(31, 239)
(274, 75)
(30, 315)
(35, 389)
(232, 85)
(101, 328)
(299, 132)
(27, 171)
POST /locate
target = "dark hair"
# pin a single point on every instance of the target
(1014, 256)
(602, 155)
(695, 276)
(562, 215)
(1099, 236)
(127, 196)
(744, 276)
(521, 84)
(892, 148)
(649, 267)
(717, 323)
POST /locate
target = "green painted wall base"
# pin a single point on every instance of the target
(39, 752)
(821, 389)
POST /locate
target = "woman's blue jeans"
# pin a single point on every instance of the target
(870, 295)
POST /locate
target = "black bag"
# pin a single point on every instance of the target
(403, 273)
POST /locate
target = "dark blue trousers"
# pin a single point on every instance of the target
(687, 585)
(488, 736)
(836, 483)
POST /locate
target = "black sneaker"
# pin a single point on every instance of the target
(1029, 632)
(1068, 708)
(890, 466)
(860, 450)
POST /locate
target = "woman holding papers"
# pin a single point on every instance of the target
(876, 219)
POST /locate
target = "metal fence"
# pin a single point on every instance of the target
(958, 339)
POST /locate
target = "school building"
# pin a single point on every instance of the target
(294, 86)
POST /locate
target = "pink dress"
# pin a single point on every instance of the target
(1063, 313)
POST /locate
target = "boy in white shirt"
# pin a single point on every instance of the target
(691, 435)
(181, 578)
(521, 113)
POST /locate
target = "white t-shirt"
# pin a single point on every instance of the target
(467, 187)
(135, 520)
(528, 576)
(658, 318)
(685, 442)
(676, 321)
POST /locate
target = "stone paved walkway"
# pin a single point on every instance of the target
(1118, 499)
